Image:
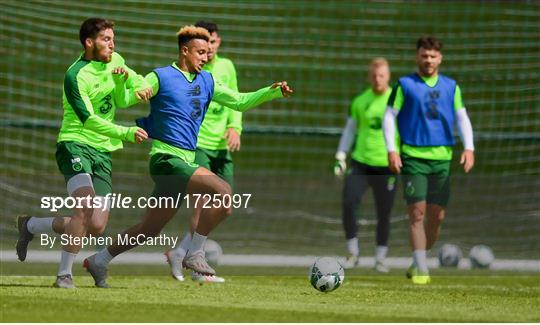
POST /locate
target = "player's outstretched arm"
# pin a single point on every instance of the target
(130, 87)
(244, 101)
(143, 89)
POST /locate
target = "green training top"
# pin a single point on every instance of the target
(90, 97)
(219, 118)
(367, 109)
(432, 153)
(223, 95)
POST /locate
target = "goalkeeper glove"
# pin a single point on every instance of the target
(340, 166)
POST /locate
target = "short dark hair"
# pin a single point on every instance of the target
(92, 26)
(429, 43)
(208, 25)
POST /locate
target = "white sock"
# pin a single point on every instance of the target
(419, 258)
(380, 253)
(183, 247)
(103, 257)
(40, 225)
(66, 263)
(197, 243)
(352, 246)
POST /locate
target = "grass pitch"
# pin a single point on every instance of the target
(146, 294)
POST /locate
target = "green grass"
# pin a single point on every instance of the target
(283, 296)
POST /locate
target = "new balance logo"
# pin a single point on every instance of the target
(195, 91)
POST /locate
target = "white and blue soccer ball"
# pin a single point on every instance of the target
(212, 251)
(481, 256)
(326, 274)
(449, 255)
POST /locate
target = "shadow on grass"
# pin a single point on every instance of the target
(23, 285)
(20, 285)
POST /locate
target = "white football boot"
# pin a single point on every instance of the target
(175, 263)
(197, 262)
(201, 278)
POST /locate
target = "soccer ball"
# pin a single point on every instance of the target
(212, 251)
(481, 256)
(326, 274)
(449, 255)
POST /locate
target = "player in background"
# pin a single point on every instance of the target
(426, 104)
(94, 86)
(369, 164)
(183, 93)
(219, 135)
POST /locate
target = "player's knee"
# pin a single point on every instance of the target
(225, 211)
(436, 213)
(97, 228)
(84, 214)
(439, 217)
(416, 216)
(98, 223)
(226, 190)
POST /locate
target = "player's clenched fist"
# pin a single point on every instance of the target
(118, 72)
(285, 89)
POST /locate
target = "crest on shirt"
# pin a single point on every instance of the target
(106, 105)
(375, 123)
(197, 111)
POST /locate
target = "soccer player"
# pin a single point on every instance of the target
(426, 104)
(219, 135)
(94, 86)
(369, 163)
(183, 93)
